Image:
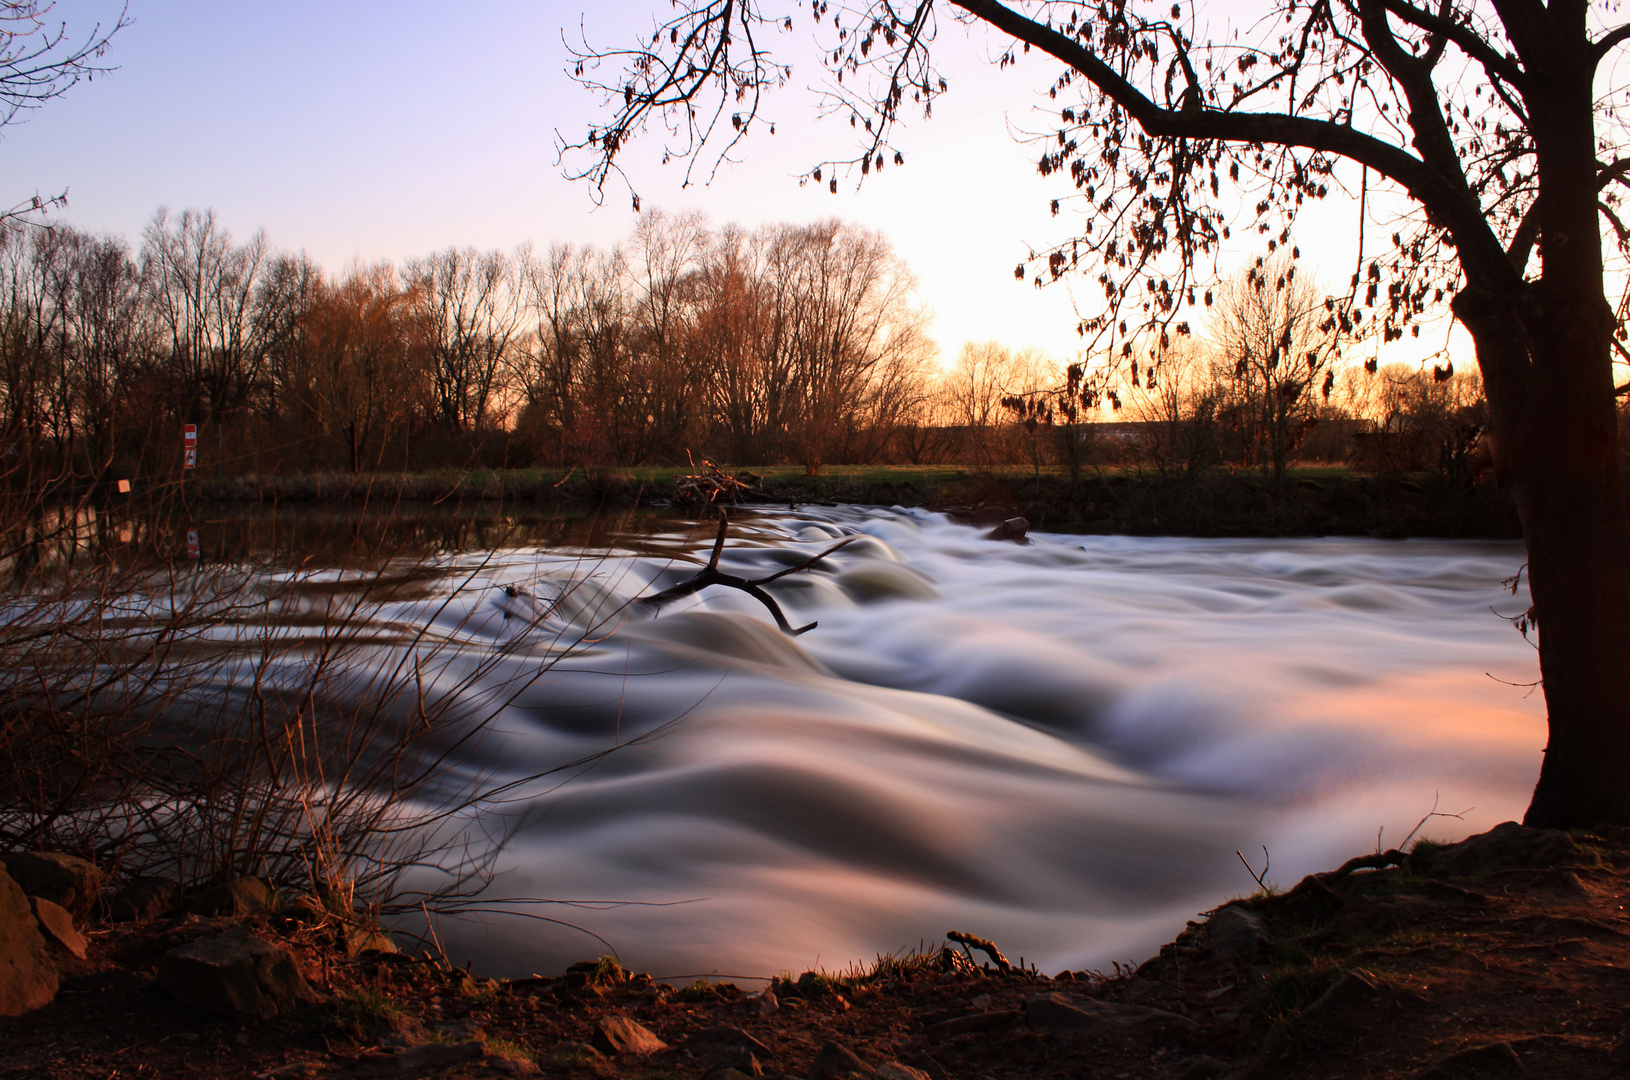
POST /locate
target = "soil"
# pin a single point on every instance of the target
(1517, 965)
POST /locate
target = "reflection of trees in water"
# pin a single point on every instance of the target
(314, 536)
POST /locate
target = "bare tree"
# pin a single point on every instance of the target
(1485, 124)
(470, 312)
(38, 62)
(1278, 344)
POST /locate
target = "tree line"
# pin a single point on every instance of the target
(786, 343)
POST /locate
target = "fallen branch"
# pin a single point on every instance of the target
(754, 587)
(987, 947)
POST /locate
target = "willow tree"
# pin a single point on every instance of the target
(1490, 123)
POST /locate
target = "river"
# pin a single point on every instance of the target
(1058, 745)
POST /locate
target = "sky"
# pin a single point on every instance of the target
(367, 130)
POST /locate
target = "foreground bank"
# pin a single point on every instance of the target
(1505, 954)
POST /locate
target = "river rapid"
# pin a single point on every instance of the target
(1058, 745)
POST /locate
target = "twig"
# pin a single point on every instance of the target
(1430, 814)
(1267, 861)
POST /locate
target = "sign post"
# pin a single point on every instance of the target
(189, 440)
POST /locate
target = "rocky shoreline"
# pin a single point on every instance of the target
(1505, 954)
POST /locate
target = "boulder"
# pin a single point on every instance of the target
(66, 880)
(28, 978)
(235, 898)
(620, 1035)
(1016, 529)
(1234, 934)
(232, 974)
(144, 899)
(1508, 846)
(58, 926)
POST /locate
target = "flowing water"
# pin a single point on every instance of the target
(1058, 745)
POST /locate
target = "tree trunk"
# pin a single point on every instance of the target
(1551, 395)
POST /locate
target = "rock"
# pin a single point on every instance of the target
(144, 899)
(766, 1004)
(1508, 846)
(1234, 934)
(356, 940)
(232, 974)
(1089, 1018)
(513, 1065)
(65, 880)
(58, 926)
(1490, 1059)
(620, 1035)
(979, 1021)
(837, 1062)
(1378, 915)
(1350, 988)
(1014, 529)
(235, 898)
(28, 978)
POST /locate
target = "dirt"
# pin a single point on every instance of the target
(1514, 965)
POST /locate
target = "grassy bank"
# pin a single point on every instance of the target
(1314, 501)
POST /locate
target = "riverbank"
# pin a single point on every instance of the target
(1312, 501)
(1506, 954)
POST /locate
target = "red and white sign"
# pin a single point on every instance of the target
(189, 437)
(192, 543)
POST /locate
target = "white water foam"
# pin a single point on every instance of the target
(1059, 746)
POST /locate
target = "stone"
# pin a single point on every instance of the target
(766, 1004)
(233, 974)
(620, 1035)
(356, 940)
(1015, 529)
(1234, 933)
(66, 880)
(513, 1065)
(1061, 1015)
(58, 926)
(1507, 846)
(235, 898)
(144, 899)
(28, 978)
(836, 1061)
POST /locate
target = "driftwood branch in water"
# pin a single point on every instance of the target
(754, 587)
